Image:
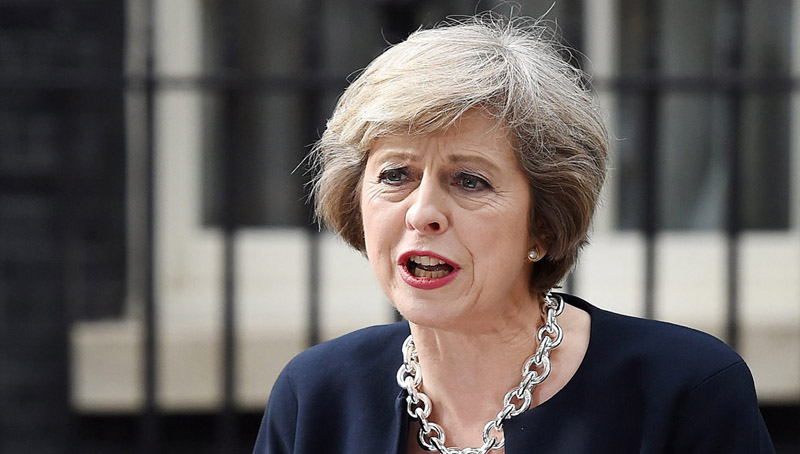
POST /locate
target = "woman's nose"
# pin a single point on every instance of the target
(428, 213)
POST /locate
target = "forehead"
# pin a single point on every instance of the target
(472, 137)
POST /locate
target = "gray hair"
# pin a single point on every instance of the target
(512, 70)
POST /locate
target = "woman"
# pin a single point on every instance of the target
(466, 164)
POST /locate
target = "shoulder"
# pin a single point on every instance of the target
(695, 392)
(657, 350)
(347, 358)
(333, 388)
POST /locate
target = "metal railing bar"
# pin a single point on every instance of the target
(649, 138)
(699, 84)
(149, 442)
(226, 429)
(313, 333)
(227, 421)
(233, 82)
(574, 32)
(735, 29)
(68, 256)
(312, 118)
(302, 82)
(41, 3)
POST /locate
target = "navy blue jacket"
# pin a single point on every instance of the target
(643, 387)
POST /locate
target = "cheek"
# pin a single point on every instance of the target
(498, 241)
(379, 229)
(367, 210)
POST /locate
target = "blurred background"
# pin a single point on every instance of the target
(158, 264)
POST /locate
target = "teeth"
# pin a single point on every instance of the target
(430, 274)
(426, 260)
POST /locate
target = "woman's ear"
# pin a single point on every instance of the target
(536, 249)
(540, 239)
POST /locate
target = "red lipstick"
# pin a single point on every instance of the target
(407, 267)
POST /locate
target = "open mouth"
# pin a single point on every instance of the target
(425, 266)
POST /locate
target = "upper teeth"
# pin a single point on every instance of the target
(426, 260)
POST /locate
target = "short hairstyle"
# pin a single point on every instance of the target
(515, 72)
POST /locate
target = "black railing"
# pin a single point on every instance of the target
(150, 424)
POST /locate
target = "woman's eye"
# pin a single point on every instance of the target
(393, 176)
(468, 181)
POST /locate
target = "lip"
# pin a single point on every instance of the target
(426, 283)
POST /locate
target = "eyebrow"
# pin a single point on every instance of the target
(462, 158)
(399, 155)
(410, 156)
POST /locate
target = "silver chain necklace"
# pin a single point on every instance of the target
(536, 370)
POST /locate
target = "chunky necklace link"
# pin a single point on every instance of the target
(535, 370)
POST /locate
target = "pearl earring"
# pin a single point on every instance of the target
(533, 255)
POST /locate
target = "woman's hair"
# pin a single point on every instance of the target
(513, 71)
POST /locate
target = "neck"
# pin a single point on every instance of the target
(467, 374)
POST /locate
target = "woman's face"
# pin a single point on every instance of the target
(446, 225)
